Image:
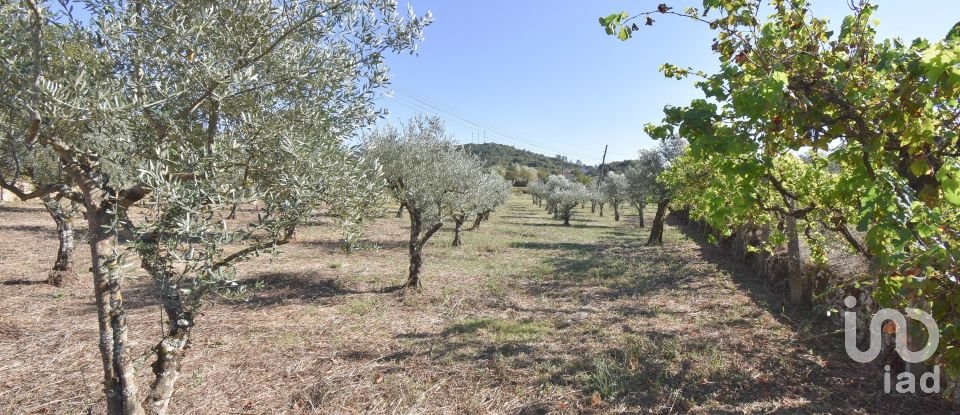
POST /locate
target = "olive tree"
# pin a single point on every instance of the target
(426, 173)
(464, 205)
(353, 196)
(597, 199)
(189, 248)
(550, 186)
(538, 192)
(26, 171)
(651, 164)
(172, 103)
(614, 190)
(521, 175)
(563, 196)
(30, 174)
(636, 191)
(493, 191)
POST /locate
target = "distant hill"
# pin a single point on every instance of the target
(504, 156)
(620, 166)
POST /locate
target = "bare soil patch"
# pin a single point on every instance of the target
(526, 318)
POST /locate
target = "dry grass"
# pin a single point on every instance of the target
(527, 318)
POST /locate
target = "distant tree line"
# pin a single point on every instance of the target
(516, 164)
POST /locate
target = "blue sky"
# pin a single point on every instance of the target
(543, 75)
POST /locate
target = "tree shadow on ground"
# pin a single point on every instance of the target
(481, 344)
(618, 233)
(45, 230)
(21, 209)
(801, 370)
(553, 246)
(273, 289)
(41, 231)
(559, 224)
(262, 290)
(614, 268)
(337, 247)
(23, 282)
(534, 216)
(842, 380)
(318, 222)
(665, 372)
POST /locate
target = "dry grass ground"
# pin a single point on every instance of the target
(528, 317)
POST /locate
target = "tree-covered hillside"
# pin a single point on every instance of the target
(504, 156)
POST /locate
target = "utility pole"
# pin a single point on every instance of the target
(602, 165)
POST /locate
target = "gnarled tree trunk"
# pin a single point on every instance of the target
(656, 230)
(118, 371)
(479, 219)
(416, 264)
(476, 222)
(640, 215)
(457, 231)
(62, 273)
(419, 235)
(616, 213)
(169, 351)
(166, 368)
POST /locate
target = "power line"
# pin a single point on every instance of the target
(446, 114)
(420, 108)
(425, 103)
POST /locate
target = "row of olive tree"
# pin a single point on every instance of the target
(640, 185)
(433, 180)
(522, 175)
(193, 108)
(562, 196)
(613, 190)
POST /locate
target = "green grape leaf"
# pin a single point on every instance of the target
(949, 178)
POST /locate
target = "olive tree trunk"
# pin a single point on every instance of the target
(616, 212)
(458, 231)
(640, 215)
(119, 377)
(476, 222)
(479, 219)
(419, 235)
(102, 205)
(62, 273)
(170, 350)
(656, 230)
